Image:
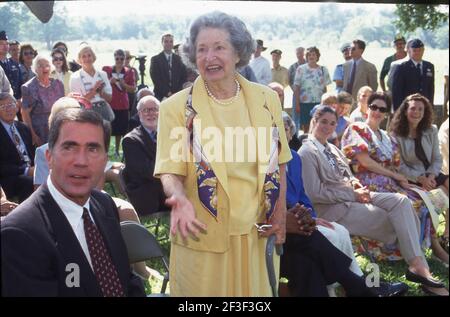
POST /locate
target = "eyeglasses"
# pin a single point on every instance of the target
(149, 110)
(28, 53)
(8, 106)
(120, 58)
(374, 107)
(58, 59)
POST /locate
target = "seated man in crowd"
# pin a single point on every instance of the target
(41, 171)
(68, 232)
(139, 148)
(17, 152)
(134, 121)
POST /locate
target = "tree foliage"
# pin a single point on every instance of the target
(330, 25)
(414, 16)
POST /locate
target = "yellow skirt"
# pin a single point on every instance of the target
(240, 271)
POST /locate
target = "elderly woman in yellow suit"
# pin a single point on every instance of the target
(221, 154)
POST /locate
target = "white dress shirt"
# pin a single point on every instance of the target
(73, 213)
(262, 70)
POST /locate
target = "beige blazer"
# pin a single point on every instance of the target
(366, 75)
(330, 194)
(410, 165)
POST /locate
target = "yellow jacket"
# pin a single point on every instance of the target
(172, 115)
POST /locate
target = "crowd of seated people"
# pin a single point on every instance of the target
(387, 186)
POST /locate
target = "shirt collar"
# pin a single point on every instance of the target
(71, 210)
(7, 126)
(150, 132)
(319, 145)
(416, 62)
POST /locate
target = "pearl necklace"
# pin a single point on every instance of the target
(210, 94)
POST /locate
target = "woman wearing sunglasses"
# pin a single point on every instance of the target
(61, 70)
(375, 159)
(26, 57)
(122, 82)
(421, 159)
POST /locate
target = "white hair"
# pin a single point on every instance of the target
(144, 99)
(37, 59)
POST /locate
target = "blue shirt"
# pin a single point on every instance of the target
(14, 75)
(339, 75)
(151, 133)
(295, 192)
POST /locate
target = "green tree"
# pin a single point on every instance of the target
(414, 16)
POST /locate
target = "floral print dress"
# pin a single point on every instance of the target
(360, 138)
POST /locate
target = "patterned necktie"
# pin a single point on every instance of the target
(103, 267)
(352, 78)
(169, 63)
(330, 157)
(20, 147)
(419, 73)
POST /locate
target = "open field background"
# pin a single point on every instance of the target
(330, 57)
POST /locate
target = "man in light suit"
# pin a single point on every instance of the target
(167, 71)
(358, 72)
(139, 149)
(16, 152)
(413, 76)
(69, 234)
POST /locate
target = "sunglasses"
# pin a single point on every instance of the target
(28, 53)
(120, 58)
(374, 107)
(58, 59)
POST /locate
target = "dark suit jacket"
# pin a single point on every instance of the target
(10, 164)
(407, 81)
(38, 243)
(144, 191)
(159, 72)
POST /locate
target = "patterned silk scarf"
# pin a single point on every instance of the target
(207, 179)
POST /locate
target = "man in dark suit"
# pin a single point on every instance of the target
(16, 152)
(413, 76)
(167, 71)
(65, 239)
(139, 149)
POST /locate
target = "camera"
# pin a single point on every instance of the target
(142, 59)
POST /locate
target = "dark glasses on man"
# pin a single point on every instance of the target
(374, 107)
(58, 59)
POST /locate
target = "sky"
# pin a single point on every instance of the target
(189, 7)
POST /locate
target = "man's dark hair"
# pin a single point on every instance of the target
(81, 116)
(361, 44)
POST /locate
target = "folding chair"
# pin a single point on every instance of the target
(158, 216)
(270, 248)
(141, 246)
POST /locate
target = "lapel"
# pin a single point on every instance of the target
(107, 226)
(7, 144)
(66, 242)
(24, 133)
(327, 170)
(360, 71)
(255, 100)
(147, 143)
(164, 64)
